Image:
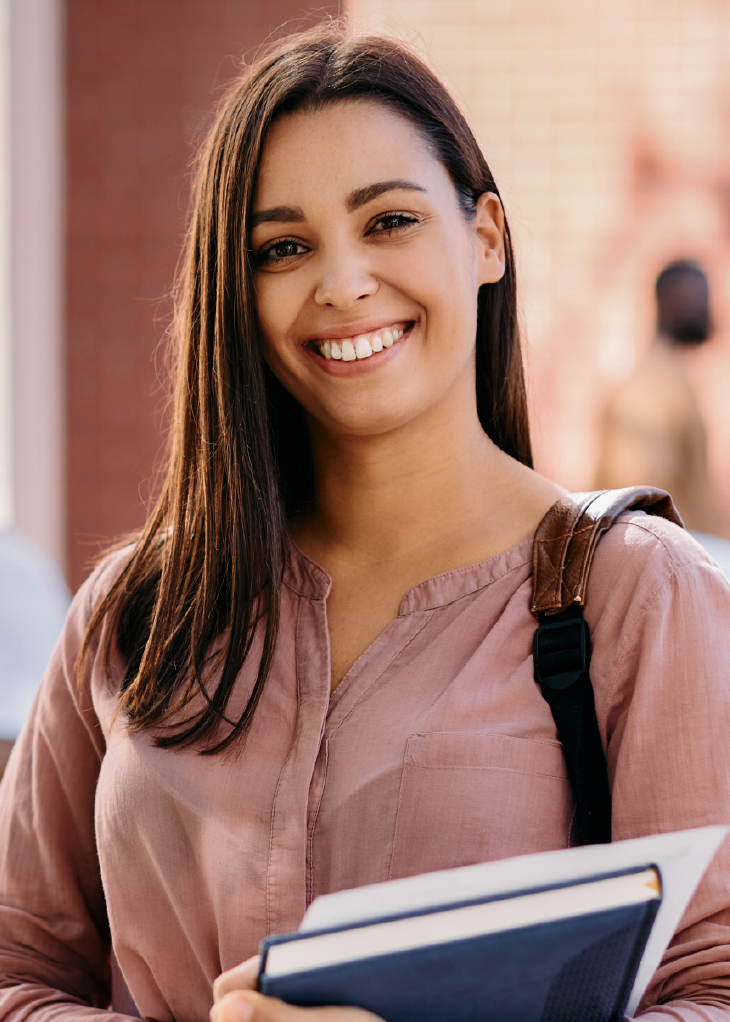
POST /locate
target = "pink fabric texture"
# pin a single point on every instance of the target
(436, 750)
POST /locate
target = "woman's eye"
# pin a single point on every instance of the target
(391, 222)
(280, 251)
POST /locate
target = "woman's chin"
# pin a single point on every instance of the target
(372, 423)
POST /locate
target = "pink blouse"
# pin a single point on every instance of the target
(436, 750)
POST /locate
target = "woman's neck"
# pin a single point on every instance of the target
(435, 492)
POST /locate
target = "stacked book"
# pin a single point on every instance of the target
(574, 934)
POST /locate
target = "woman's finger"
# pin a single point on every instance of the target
(248, 1006)
(243, 977)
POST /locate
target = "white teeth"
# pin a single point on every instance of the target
(362, 348)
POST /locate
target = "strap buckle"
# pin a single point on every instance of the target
(562, 648)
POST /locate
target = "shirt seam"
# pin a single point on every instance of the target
(300, 591)
(295, 739)
(639, 618)
(659, 539)
(488, 734)
(313, 826)
(461, 596)
(500, 769)
(377, 678)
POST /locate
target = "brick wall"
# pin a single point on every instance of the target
(141, 80)
(606, 125)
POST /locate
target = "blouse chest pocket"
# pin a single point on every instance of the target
(467, 798)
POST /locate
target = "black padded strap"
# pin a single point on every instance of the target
(562, 656)
(565, 542)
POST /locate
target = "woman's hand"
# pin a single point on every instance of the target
(236, 1000)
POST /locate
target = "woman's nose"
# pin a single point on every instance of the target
(345, 278)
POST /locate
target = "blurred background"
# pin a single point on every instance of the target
(607, 127)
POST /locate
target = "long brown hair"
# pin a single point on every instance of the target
(208, 564)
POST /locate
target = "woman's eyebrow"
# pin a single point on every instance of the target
(278, 215)
(362, 195)
(356, 199)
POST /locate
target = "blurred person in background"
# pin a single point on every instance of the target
(652, 428)
(653, 431)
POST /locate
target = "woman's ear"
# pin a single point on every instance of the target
(489, 226)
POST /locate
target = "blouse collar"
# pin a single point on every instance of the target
(310, 581)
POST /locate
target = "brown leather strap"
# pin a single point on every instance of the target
(567, 537)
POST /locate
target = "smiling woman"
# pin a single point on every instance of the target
(312, 670)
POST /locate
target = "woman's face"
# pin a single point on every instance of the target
(366, 269)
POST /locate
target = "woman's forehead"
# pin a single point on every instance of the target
(338, 146)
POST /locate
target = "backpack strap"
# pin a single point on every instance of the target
(565, 543)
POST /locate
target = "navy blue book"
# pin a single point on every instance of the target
(454, 946)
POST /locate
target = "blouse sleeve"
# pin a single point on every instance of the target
(661, 673)
(54, 935)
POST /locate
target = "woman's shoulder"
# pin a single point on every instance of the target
(644, 560)
(649, 541)
(658, 610)
(98, 584)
